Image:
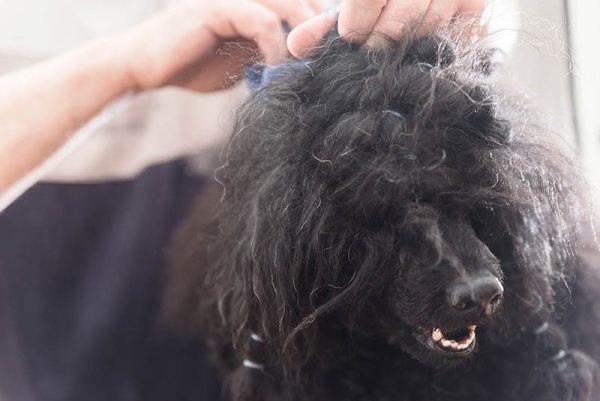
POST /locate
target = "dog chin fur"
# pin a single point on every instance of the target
(355, 189)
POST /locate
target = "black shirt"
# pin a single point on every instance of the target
(81, 272)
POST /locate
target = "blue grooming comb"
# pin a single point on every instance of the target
(259, 75)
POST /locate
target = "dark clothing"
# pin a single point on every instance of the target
(81, 272)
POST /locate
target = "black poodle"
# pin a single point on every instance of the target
(390, 225)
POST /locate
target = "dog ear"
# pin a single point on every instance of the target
(183, 306)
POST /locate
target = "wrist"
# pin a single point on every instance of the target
(111, 60)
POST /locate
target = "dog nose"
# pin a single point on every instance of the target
(476, 295)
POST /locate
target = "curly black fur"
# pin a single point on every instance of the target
(357, 186)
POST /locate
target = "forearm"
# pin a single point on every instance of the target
(42, 106)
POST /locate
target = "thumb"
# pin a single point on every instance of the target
(308, 34)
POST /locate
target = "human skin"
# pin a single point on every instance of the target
(366, 21)
(43, 105)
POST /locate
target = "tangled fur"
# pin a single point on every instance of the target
(356, 187)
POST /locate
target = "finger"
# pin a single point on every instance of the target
(473, 8)
(467, 20)
(216, 73)
(309, 34)
(319, 5)
(394, 18)
(482, 31)
(254, 22)
(358, 18)
(439, 13)
(293, 12)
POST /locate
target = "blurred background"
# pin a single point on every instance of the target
(556, 60)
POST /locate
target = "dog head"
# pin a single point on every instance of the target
(388, 198)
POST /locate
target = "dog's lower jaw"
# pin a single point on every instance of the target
(422, 348)
(424, 345)
(448, 348)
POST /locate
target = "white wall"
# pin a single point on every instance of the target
(540, 66)
(585, 33)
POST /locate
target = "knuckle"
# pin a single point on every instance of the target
(381, 3)
(473, 5)
(344, 30)
(216, 15)
(359, 4)
(271, 22)
(373, 3)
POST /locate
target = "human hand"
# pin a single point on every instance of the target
(366, 21)
(184, 45)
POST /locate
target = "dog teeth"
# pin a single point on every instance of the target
(438, 336)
